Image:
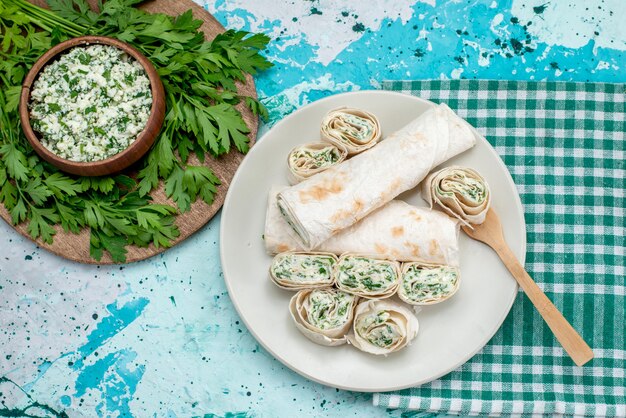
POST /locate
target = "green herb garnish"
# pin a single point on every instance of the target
(199, 79)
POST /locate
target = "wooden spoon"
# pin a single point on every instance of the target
(490, 233)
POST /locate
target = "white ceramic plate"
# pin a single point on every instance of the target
(450, 333)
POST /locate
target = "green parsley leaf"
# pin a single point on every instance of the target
(41, 221)
(176, 190)
(37, 191)
(15, 162)
(19, 211)
(200, 79)
(62, 185)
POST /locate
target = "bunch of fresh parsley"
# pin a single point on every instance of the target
(201, 94)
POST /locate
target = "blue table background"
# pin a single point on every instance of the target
(161, 337)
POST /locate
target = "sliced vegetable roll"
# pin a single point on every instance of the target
(461, 192)
(382, 326)
(323, 315)
(396, 231)
(295, 270)
(427, 284)
(335, 199)
(354, 129)
(367, 276)
(308, 159)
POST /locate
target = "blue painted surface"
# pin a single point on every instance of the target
(160, 337)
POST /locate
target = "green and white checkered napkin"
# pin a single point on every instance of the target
(563, 143)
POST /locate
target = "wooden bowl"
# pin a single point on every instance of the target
(119, 161)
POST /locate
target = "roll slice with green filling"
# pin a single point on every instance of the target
(354, 129)
(323, 315)
(427, 284)
(309, 159)
(367, 276)
(461, 192)
(382, 326)
(296, 270)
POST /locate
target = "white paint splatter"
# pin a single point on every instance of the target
(572, 24)
(63, 296)
(423, 34)
(315, 28)
(438, 25)
(602, 65)
(497, 19)
(483, 53)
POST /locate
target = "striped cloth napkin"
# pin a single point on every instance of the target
(563, 143)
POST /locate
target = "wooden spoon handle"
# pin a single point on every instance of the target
(571, 341)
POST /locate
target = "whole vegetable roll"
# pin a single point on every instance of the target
(396, 231)
(367, 276)
(295, 270)
(382, 326)
(461, 192)
(427, 284)
(323, 315)
(339, 197)
(309, 159)
(354, 129)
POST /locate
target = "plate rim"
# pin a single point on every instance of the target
(227, 201)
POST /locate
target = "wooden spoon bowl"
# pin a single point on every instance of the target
(119, 161)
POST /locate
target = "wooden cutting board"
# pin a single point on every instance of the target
(76, 247)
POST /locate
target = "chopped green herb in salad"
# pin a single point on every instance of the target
(91, 103)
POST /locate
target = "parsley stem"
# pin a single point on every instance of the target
(46, 19)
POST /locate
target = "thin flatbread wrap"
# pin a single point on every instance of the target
(397, 231)
(297, 270)
(354, 129)
(323, 315)
(367, 276)
(461, 192)
(308, 159)
(337, 198)
(427, 284)
(382, 326)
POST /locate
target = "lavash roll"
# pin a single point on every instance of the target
(382, 326)
(307, 160)
(354, 129)
(337, 198)
(461, 192)
(397, 231)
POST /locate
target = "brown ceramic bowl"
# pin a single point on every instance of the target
(118, 161)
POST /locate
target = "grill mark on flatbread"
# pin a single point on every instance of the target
(380, 248)
(397, 231)
(321, 192)
(343, 214)
(415, 215)
(415, 249)
(395, 184)
(281, 248)
(357, 206)
(433, 248)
